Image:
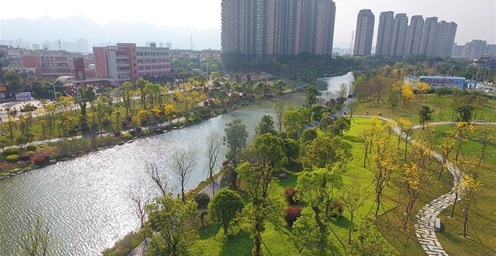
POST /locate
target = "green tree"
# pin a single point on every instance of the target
(202, 200)
(266, 125)
(175, 223)
(267, 156)
(225, 207)
(235, 138)
(325, 152)
(425, 115)
(292, 149)
(343, 124)
(295, 120)
(465, 113)
(13, 81)
(318, 190)
(311, 94)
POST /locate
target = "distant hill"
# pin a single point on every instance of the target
(71, 29)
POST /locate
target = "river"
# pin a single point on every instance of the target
(87, 200)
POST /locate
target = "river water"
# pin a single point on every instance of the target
(87, 200)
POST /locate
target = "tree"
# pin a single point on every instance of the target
(311, 94)
(369, 241)
(202, 200)
(279, 109)
(352, 106)
(343, 124)
(13, 81)
(326, 151)
(353, 198)
(406, 128)
(463, 129)
(292, 149)
(385, 162)
(183, 164)
(295, 120)
(214, 143)
(36, 239)
(235, 138)
(447, 147)
(485, 134)
(465, 113)
(407, 95)
(159, 181)
(467, 190)
(425, 114)
(175, 223)
(317, 188)
(225, 207)
(266, 125)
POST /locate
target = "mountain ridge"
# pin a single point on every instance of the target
(73, 28)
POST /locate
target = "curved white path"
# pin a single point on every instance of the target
(426, 217)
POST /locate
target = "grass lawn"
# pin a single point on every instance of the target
(441, 106)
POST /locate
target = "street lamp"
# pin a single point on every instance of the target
(54, 94)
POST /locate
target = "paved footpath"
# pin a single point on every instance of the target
(426, 217)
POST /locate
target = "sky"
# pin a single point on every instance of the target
(476, 19)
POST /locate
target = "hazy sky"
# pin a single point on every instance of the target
(475, 18)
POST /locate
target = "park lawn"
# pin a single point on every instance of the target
(441, 106)
(482, 216)
(391, 215)
(278, 237)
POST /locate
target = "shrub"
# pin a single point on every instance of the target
(225, 162)
(106, 123)
(31, 147)
(139, 130)
(117, 133)
(289, 194)
(41, 159)
(132, 132)
(11, 151)
(127, 136)
(292, 214)
(125, 124)
(337, 210)
(30, 153)
(25, 157)
(12, 158)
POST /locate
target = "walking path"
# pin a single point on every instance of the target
(425, 225)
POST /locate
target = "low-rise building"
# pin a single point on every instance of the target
(437, 81)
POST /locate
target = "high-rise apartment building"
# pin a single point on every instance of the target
(399, 35)
(414, 35)
(474, 49)
(428, 42)
(450, 41)
(364, 33)
(385, 34)
(278, 27)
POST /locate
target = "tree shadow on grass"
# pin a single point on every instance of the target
(239, 244)
(343, 222)
(209, 231)
(352, 139)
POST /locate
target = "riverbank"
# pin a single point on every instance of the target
(76, 146)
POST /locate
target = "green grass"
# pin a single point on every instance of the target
(443, 110)
(482, 216)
